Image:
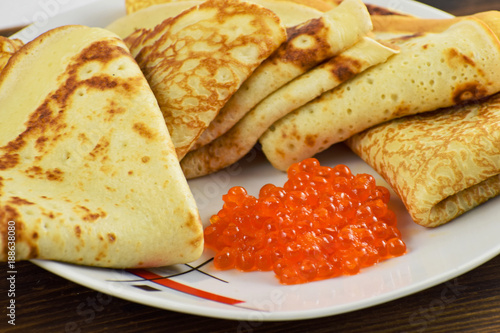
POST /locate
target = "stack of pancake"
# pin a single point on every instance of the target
(94, 159)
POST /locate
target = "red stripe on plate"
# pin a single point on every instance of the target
(166, 282)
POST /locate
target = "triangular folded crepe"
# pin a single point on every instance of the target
(195, 61)
(432, 71)
(88, 173)
(308, 44)
(7, 48)
(290, 14)
(240, 139)
(442, 163)
(133, 6)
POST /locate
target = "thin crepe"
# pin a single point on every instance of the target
(390, 26)
(442, 163)
(133, 6)
(88, 173)
(241, 138)
(290, 14)
(195, 61)
(308, 45)
(432, 71)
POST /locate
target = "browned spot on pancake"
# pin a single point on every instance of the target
(345, 68)
(87, 215)
(20, 201)
(100, 148)
(7, 213)
(468, 91)
(34, 171)
(37, 172)
(280, 152)
(114, 110)
(195, 242)
(55, 174)
(401, 110)
(78, 231)
(405, 38)
(145, 159)
(192, 223)
(34, 235)
(83, 138)
(40, 142)
(8, 161)
(305, 57)
(50, 215)
(454, 55)
(102, 51)
(310, 140)
(144, 131)
(111, 237)
(377, 10)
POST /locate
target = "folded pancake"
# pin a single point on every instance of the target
(133, 6)
(441, 163)
(431, 71)
(241, 138)
(391, 26)
(290, 14)
(7, 48)
(88, 173)
(308, 45)
(195, 61)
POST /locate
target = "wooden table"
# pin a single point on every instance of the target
(48, 303)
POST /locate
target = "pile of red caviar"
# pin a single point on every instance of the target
(324, 222)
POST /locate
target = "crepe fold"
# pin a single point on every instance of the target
(432, 71)
(308, 44)
(7, 48)
(441, 163)
(88, 172)
(195, 61)
(241, 138)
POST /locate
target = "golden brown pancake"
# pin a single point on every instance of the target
(441, 164)
(308, 45)
(133, 6)
(431, 71)
(385, 27)
(88, 173)
(196, 61)
(241, 138)
(290, 14)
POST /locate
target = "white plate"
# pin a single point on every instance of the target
(434, 255)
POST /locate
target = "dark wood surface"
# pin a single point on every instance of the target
(47, 303)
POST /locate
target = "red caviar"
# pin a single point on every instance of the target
(324, 222)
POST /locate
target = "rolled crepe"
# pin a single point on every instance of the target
(7, 48)
(308, 45)
(432, 71)
(88, 173)
(195, 61)
(442, 163)
(241, 138)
